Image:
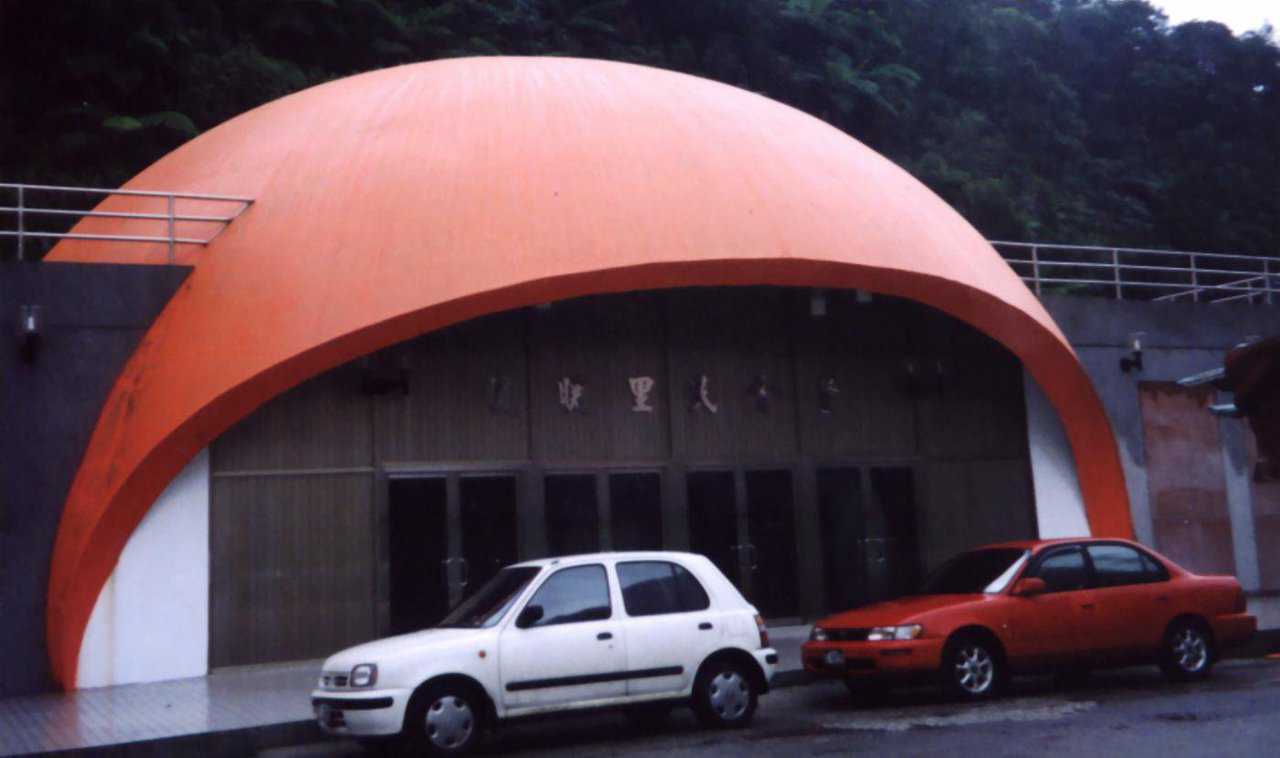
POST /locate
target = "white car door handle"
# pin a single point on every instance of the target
(604, 636)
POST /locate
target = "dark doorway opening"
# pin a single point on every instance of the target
(713, 520)
(418, 546)
(635, 510)
(771, 546)
(573, 516)
(488, 516)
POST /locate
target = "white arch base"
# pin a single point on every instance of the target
(1059, 504)
(151, 621)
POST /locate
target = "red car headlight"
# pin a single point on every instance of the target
(906, 632)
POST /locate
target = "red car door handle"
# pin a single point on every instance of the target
(1087, 606)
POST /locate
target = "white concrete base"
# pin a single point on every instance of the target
(151, 621)
(1059, 504)
(1267, 609)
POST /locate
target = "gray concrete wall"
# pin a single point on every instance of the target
(94, 316)
(1180, 339)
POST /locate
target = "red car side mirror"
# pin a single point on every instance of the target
(1030, 587)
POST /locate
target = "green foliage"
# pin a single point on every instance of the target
(1063, 120)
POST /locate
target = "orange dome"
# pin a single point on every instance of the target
(400, 201)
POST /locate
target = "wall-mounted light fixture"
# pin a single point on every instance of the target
(817, 304)
(30, 329)
(1133, 361)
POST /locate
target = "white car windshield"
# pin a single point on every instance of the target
(488, 605)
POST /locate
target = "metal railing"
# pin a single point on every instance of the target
(1126, 273)
(170, 216)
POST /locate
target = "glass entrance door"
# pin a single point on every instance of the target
(449, 533)
(870, 549)
(744, 521)
(843, 531)
(603, 510)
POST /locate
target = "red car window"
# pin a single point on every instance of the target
(1062, 570)
(1118, 565)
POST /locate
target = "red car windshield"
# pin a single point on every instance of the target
(973, 572)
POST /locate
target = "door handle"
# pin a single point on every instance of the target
(604, 636)
(705, 625)
(1162, 598)
(1087, 606)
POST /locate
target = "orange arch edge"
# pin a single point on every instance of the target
(702, 172)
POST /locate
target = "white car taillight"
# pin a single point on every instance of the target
(764, 633)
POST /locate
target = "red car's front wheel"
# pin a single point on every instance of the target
(972, 668)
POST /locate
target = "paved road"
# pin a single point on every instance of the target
(1130, 713)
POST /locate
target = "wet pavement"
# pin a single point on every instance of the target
(1132, 712)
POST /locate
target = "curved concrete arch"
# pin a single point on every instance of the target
(401, 201)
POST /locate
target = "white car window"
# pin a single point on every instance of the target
(652, 588)
(580, 593)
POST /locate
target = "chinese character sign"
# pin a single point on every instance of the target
(570, 394)
(641, 386)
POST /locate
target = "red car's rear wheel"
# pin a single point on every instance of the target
(1187, 652)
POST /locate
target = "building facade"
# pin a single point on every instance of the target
(580, 323)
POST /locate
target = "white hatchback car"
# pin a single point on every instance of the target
(645, 631)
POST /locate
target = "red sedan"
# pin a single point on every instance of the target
(1066, 605)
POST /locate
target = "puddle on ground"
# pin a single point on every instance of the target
(1002, 711)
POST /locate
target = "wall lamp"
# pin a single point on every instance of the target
(30, 324)
(1133, 361)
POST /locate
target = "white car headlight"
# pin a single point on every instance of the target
(818, 634)
(364, 675)
(908, 632)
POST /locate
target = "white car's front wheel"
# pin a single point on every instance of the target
(444, 719)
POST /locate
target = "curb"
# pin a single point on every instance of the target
(232, 743)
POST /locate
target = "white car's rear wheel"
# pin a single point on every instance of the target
(725, 696)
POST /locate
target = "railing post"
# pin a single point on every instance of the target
(1115, 267)
(1195, 281)
(21, 229)
(1035, 268)
(171, 229)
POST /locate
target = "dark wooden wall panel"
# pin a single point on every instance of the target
(966, 504)
(322, 423)
(970, 396)
(292, 567)
(733, 337)
(865, 348)
(599, 343)
(944, 515)
(1185, 477)
(466, 399)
